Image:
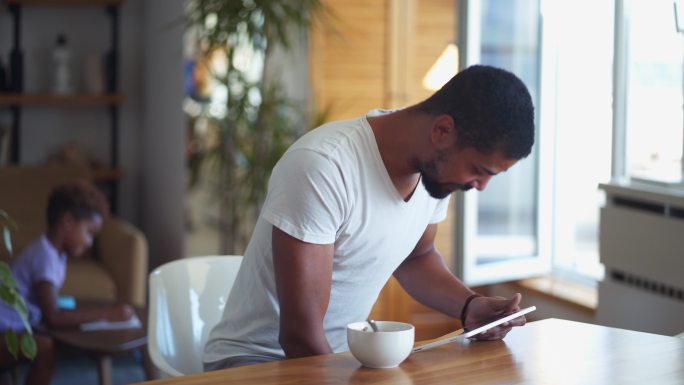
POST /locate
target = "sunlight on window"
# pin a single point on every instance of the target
(583, 128)
(654, 96)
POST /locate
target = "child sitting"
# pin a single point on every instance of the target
(75, 213)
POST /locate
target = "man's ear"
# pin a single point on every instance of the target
(443, 129)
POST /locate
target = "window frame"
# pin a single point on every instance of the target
(466, 203)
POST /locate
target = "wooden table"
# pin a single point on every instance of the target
(103, 344)
(550, 351)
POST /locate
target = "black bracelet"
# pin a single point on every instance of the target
(465, 306)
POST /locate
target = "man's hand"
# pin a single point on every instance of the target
(483, 309)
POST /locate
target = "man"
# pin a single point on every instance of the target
(353, 202)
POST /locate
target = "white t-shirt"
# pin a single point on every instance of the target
(331, 186)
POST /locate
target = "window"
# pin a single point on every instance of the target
(650, 52)
(499, 235)
(579, 64)
(543, 215)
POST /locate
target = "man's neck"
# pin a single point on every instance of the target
(399, 139)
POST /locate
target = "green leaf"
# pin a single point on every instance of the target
(7, 224)
(5, 217)
(22, 309)
(6, 277)
(28, 346)
(8, 295)
(12, 298)
(7, 238)
(20, 305)
(12, 343)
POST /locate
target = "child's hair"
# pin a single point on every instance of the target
(79, 198)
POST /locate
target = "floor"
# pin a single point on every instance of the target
(75, 367)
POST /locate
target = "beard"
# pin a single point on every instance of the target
(429, 174)
(440, 190)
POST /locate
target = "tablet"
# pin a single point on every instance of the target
(472, 332)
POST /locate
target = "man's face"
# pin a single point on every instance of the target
(460, 169)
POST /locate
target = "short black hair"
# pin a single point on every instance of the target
(79, 198)
(492, 110)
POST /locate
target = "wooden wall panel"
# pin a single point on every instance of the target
(436, 23)
(347, 58)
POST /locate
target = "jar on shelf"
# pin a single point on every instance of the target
(61, 56)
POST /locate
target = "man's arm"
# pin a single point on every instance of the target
(303, 275)
(425, 276)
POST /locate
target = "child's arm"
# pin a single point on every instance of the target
(54, 317)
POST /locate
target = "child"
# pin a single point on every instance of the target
(74, 215)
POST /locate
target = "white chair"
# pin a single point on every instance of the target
(187, 298)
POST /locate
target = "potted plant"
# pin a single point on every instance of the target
(256, 121)
(11, 297)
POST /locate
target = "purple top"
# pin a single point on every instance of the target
(39, 262)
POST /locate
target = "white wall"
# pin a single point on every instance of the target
(163, 132)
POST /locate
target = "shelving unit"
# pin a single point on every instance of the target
(111, 99)
(74, 100)
(64, 2)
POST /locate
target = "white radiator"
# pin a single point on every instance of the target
(642, 248)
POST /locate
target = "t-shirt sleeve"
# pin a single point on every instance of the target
(307, 197)
(440, 210)
(46, 268)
